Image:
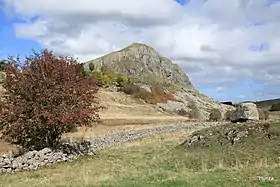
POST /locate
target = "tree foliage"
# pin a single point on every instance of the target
(275, 107)
(2, 65)
(91, 66)
(45, 98)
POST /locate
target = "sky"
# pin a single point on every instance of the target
(229, 49)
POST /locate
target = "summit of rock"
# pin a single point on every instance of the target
(144, 63)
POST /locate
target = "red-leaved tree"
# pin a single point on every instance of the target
(45, 98)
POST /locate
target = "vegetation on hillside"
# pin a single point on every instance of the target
(275, 107)
(107, 78)
(154, 96)
(194, 113)
(45, 98)
(215, 115)
(228, 115)
(2, 65)
(263, 114)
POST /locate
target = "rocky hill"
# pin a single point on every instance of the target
(144, 63)
(147, 66)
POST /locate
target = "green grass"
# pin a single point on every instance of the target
(153, 161)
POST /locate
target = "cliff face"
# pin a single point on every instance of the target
(143, 63)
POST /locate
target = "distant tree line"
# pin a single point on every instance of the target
(275, 107)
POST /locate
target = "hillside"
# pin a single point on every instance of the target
(267, 103)
(144, 63)
(147, 68)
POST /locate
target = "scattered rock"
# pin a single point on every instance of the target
(231, 133)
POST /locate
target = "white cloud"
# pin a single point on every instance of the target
(209, 40)
(220, 88)
(242, 96)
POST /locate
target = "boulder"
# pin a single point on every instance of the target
(173, 106)
(244, 112)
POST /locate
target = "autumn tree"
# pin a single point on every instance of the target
(45, 98)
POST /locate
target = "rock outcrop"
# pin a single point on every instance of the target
(144, 63)
(230, 134)
(244, 112)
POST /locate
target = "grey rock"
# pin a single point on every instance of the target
(172, 106)
(244, 112)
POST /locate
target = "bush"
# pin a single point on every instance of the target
(130, 89)
(155, 97)
(275, 107)
(228, 114)
(80, 68)
(2, 65)
(122, 80)
(104, 80)
(194, 114)
(215, 115)
(182, 112)
(263, 114)
(45, 98)
(91, 66)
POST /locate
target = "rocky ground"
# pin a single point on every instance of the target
(229, 135)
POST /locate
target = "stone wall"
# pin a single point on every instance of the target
(69, 151)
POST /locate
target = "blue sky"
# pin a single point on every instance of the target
(229, 49)
(10, 44)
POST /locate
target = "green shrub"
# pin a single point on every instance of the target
(182, 112)
(194, 114)
(2, 65)
(106, 70)
(80, 68)
(122, 80)
(130, 89)
(104, 80)
(91, 66)
(275, 107)
(142, 94)
(228, 114)
(215, 115)
(47, 97)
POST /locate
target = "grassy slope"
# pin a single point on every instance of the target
(153, 162)
(267, 103)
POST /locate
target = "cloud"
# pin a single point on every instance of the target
(242, 96)
(214, 41)
(220, 88)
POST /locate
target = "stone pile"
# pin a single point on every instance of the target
(70, 151)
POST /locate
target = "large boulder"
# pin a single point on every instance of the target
(244, 112)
